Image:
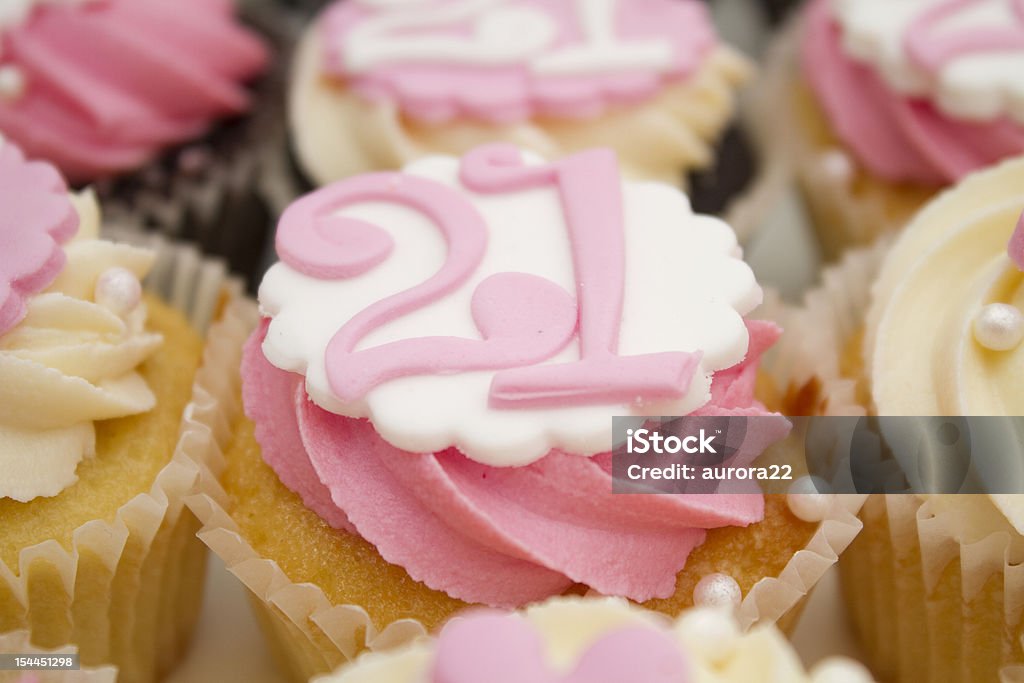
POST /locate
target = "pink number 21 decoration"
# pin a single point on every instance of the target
(523, 319)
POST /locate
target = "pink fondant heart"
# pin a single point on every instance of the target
(499, 648)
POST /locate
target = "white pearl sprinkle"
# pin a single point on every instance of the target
(12, 83)
(999, 327)
(717, 590)
(836, 164)
(712, 632)
(809, 498)
(119, 291)
(839, 670)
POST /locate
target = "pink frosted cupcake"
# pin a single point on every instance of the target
(102, 87)
(149, 100)
(376, 84)
(897, 101)
(429, 407)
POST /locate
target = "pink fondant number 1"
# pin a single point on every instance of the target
(589, 186)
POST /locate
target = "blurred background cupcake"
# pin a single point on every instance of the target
(146, 99)
(96, 545)
(361, 515)
(597, 640)
(892, 102)
(376, 87)
(930, 325)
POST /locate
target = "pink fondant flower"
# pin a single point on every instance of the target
(507, 649)
(36, 217)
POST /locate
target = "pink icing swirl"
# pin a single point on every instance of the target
(36, 217)
(109, 84)
(506, 648)
(504, 537)
(896, 137)
(505, 90)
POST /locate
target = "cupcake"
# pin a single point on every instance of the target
(17, 642)
(893, 104)
(376, 86)
(427, 426)
(146, 99)
(931, 326)
(96, 546)
(592, 641)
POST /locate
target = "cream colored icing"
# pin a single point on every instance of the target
(69, 363)
(338, 134)
(710, 641)
(919, 344)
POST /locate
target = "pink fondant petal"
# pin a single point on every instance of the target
(36, 217)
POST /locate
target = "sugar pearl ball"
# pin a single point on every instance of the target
(838, 670)
(717, 590)
(999, 327)
(809, 499)
(12, 83)
(836, 164)
(712, 632)
(119, 291)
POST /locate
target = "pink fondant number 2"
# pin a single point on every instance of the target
(523, 319)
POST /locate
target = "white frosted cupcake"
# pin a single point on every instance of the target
(596, 641)
(931, 325)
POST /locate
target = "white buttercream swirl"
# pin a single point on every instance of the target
(69, 363)
(714, 648)
(924, 359)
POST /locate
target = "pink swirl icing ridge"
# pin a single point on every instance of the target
(503, 537)
(495, 91)
(109, 84)
(36, 217)
(896, 137)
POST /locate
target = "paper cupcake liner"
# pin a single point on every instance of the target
(310, 635)
(18, 642)
(932, 602)
(128, 589)
(811, 361)
(217, 192)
